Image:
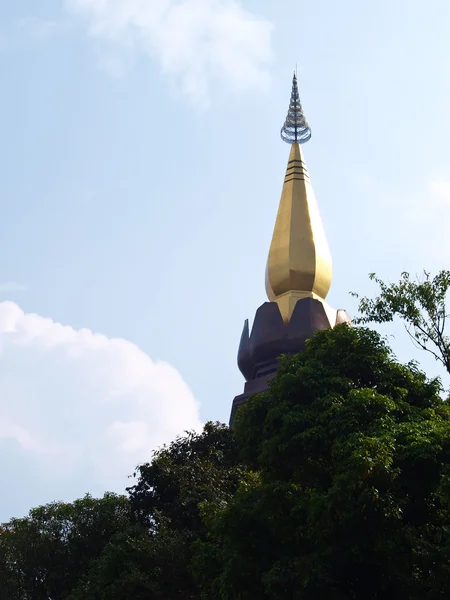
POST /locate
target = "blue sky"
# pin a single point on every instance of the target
(141, 173)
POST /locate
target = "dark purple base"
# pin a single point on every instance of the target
(271, 337)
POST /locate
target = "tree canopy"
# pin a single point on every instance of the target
(347, 495)
(420, 304)
(43, 555)
(335, 483)
(152, 557)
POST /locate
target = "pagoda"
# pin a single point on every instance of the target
(298, 272)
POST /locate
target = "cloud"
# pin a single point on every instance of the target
(79, 410)
(10, 287)
(192, 40)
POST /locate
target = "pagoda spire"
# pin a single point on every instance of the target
(299, 261)
(295, 128)
(298, 273)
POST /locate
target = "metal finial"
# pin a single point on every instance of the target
(295, 128)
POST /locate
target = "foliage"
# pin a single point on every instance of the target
(151, 560)
(335, 484)
(43, 555)
(140, 566)
(348, 496)
(192, 469)
(421, 305)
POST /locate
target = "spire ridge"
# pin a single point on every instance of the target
(295, 129)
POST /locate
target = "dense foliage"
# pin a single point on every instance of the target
(334, 484)
(151, 559)
(42, 556)
(350, 454)
(118, 547)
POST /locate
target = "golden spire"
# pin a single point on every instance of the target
(299, 261)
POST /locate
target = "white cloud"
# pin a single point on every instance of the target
(193, 40)
(78, 410)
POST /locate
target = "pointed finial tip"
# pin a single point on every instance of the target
(295, 129)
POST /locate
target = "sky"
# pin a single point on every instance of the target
(141, 169)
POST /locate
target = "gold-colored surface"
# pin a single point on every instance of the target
(299, 261)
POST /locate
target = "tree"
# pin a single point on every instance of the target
(347, 495)
(152, 559)
(117, 548)
(141, 566)
(192, 469)
(43, 555)
(421, 305)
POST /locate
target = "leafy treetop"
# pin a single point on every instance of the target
(348, 491)
(420, 304)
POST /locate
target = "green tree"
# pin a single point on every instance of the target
(421, 306)
(347, 495)
(152, 559)
(192, 469)
(43, 555)
(140, 566)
